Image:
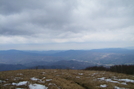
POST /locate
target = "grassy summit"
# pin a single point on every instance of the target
(64, 79)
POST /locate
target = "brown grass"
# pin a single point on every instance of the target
(64, 79)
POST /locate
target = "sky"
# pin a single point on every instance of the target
(66, 24)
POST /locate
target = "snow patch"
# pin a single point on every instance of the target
(39, 80)
(108, 80)
(20, 83)
(115, 87)
(127, 80)
(37, 86)
(34, 79)
(80, 73)
(124, 83)
(104, 85)
(103, 78)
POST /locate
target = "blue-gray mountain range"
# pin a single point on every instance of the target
(74, 59)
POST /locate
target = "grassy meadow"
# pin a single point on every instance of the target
(64, 79)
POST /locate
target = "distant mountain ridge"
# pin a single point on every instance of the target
(76, 59)
(113, 50)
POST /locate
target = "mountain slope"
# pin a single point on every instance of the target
(64, 79)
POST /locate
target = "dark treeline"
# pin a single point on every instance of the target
(101, 68)
(127, 69)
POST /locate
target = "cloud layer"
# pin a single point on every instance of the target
(65, 21)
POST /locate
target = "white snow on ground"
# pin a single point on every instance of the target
(104, 85)
(37, 86)
(80, 73)
(103, 78)
(51, 84)
(39, 80)
(34, 79)
(127, 80)
(124, 81)
(120, 81)
(109, 80)
(20, 83)
(115, 87)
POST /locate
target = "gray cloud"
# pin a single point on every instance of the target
(34, 15)
(46, 21)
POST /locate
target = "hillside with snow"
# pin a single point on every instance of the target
(64, 79)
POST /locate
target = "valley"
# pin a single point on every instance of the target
(65, 59)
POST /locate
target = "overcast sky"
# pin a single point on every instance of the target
(66, 24)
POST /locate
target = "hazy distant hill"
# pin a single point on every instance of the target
(101, 56)
(7, 67)
(22, 57)
(76, 59)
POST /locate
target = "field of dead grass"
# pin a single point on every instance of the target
(64, 79)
